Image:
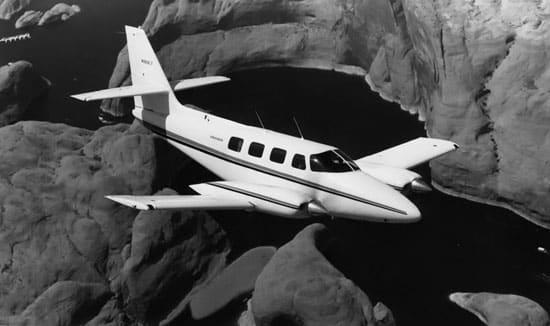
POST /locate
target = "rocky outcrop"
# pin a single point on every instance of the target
(235, 281)
(56, 223)
(476, 72)
(60, 11)
(57, 227)
(10, 7)
(29, 18)
(64, 303)
(502, 309)
(300, 287)
(215, 36)
(170, 253)
(482, 75)
(20, 84)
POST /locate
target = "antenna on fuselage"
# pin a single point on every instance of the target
(298, 127)
(259, 119)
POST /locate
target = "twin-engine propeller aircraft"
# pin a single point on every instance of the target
(266, 171)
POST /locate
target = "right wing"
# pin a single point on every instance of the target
(410, 154)
(208, 202)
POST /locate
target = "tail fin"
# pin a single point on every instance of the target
(150, 88)
(146, 71)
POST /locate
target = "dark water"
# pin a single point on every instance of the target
(458, 246)
(76, 55)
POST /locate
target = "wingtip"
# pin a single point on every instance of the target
(79, 97)
(128, 202)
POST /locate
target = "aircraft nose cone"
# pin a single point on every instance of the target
(409, 213)
(413, 214)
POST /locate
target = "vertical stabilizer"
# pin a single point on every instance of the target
(146, 71)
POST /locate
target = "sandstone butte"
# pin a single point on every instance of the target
(476, 72)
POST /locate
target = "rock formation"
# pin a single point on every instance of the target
(170, 253)
(502, 309)
(29, 18)
(67, 250)
(300, 287)
(9, 7)
(60, 11)
(476, 72)
(20, 84)
(236, 280)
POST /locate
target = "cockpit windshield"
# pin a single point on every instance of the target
(332, 161)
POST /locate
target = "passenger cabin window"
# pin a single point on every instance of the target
(235, 144)
(299, 161)
(332, 161)
(256, 149)
(277, 155)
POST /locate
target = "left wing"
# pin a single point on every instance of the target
(182, 202)
(410, 154)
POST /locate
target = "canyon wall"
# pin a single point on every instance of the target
(476, 72)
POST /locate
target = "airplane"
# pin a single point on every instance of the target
(263, 170)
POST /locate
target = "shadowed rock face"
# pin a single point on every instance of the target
(170, 253)
(300, 287)
(502, 309)
(476, 72)
(19, 85)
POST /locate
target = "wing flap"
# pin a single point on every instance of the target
(182, 202)
(125, 91)
(411, 153)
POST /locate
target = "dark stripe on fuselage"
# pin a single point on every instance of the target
(253, 194)
(210, 151)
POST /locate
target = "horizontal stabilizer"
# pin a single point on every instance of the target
(125, 91)
(181, 202)
(198, 82)
(411, 153)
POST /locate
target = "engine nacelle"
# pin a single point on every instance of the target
(398, 178)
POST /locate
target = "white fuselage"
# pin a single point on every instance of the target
(206, 139)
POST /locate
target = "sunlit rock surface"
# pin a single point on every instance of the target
(20, 84)
(477, 72)
(57, 226)
(482, 69)
(502, 309)
(60, 11)
(29, 18)
(300, 287)
(10, 7)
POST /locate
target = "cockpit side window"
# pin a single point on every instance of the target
(348, 159)
(299, 161)
(331, 161)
